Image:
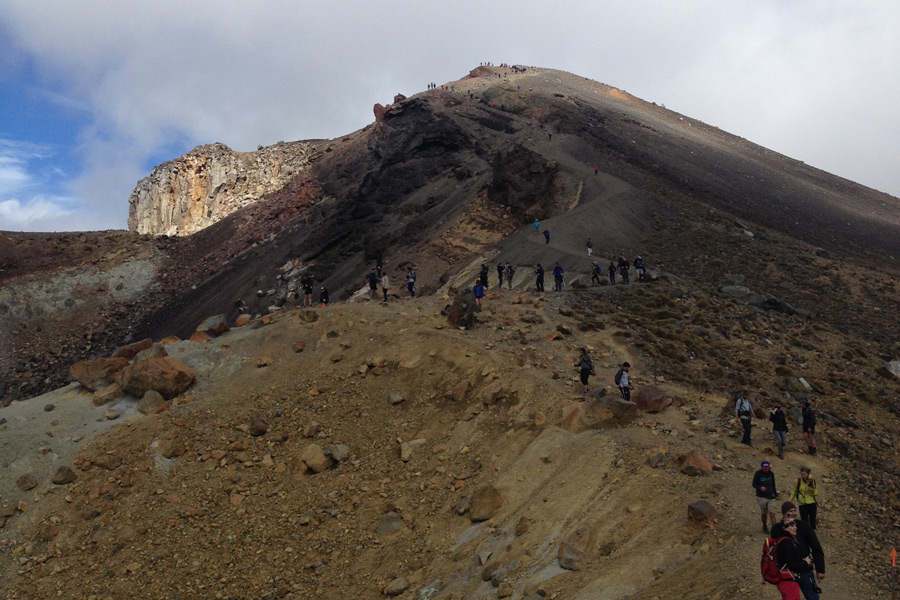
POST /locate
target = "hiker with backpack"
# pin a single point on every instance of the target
(779, 429)
(745, 415)
(764, 484)
(791, 561)
(623, 382)
(809, 426)
(808, 545)
(586, 368)
(509, 271)
(804, 494)
(596, 272)
(558, 277)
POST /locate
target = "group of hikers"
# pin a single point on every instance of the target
(378, 277)
(792, 555)
(585, 367)
(745, 414)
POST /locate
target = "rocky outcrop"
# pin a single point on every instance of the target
(185, 195)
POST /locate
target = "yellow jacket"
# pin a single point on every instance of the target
(804, 491)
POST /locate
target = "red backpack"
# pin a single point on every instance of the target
(768, 564)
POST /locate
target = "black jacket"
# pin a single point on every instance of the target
(790, 554)
(779, 421)
(763, 478)
(807, 542)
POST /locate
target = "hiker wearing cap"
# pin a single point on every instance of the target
(808, 544)
(804, 493)
(764, 484)
(809, 426)
(745, 415)
(792, 561)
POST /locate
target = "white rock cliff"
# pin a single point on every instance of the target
(185, 195)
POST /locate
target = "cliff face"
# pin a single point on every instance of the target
(209, 183)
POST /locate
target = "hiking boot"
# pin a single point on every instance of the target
(765, 528)
(813, 451)
(781, 456)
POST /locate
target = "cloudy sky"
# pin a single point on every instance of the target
(94, 93)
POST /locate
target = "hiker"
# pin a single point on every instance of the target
(585, 367)
(509, 271)
(622, 380)
(766, 494)
(745, 415)
(612, 273)
(478, 292)
(483, 276)
(779, 429)
(809, 544)
(791, 562)
(805, 493)
(546, 236)
(809, 426)
(558, 277)
(385, 283)
(373, 284)
(623, 268)
(500, 275)
(537, 227)
(411, 282)
(323, 296)
(596, 169)
(590, 247)
(639, 268)
(539, 272)
(596, 271)
(307, 284)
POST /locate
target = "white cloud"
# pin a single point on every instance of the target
(812, 80)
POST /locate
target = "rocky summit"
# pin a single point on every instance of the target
(178, 424)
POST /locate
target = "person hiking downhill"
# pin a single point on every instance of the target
(590, 247)
(779, 429)
(500, 276)
(612, 273)
(805, 492)
(808, 544)
(483, 276)
(546, 236)
(624, 383)
(596, 273)
(745, 415)
(764, 484)
(809, 426)
(791, 562)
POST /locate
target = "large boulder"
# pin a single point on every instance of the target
(574, 549)
(602, 413)
(651, 399)
(97, 374)
(463, 310)
(315, 459)
(702, 513)
(167, 375)
(485, 503)
(213, 326)
(131, 350)
(693, 463)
